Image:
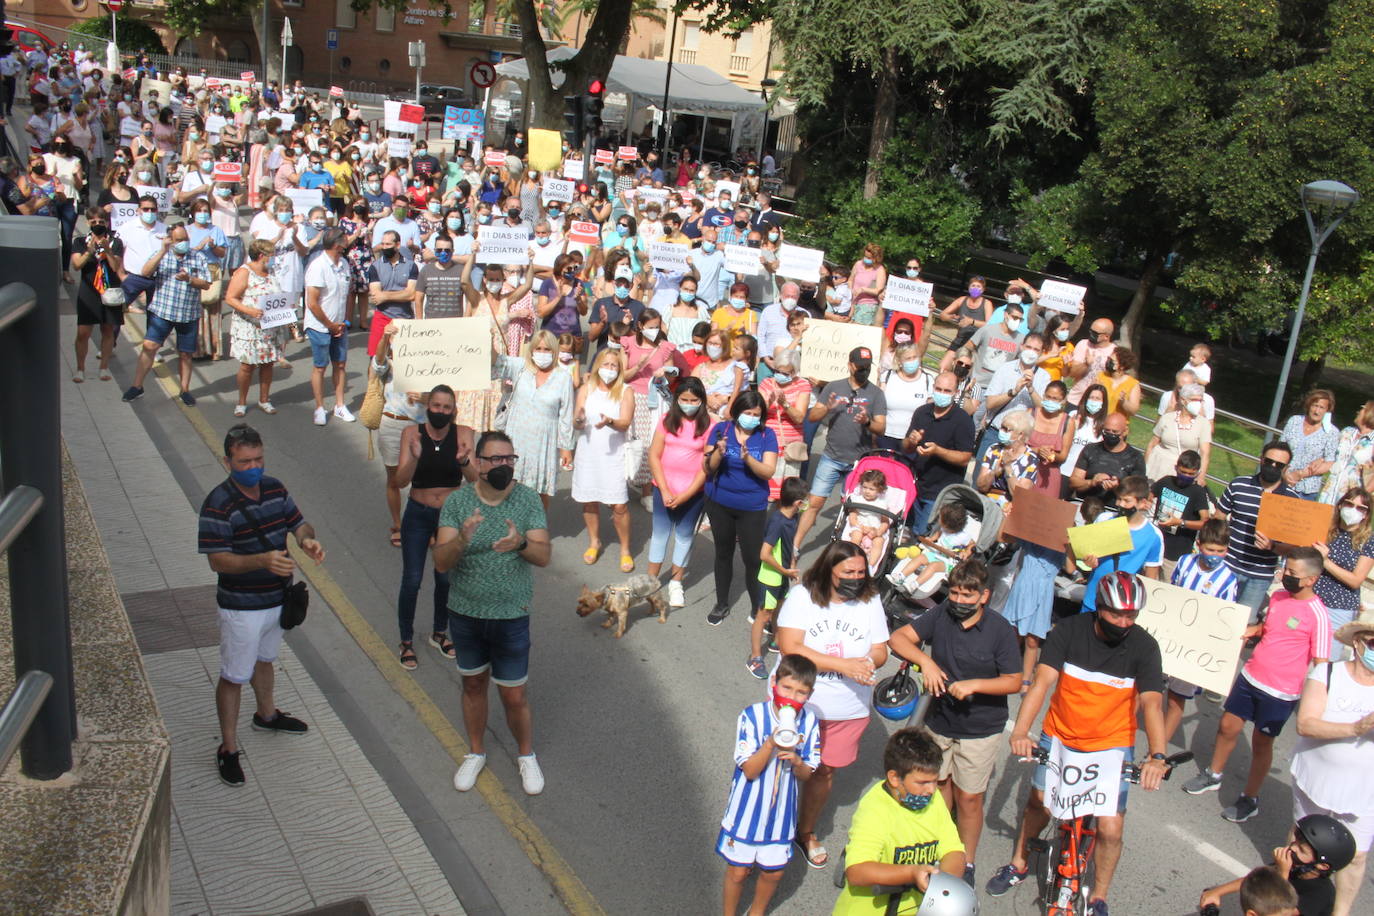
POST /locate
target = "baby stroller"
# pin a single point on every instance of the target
(900, 497)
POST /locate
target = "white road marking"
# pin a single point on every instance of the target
(1210, 852)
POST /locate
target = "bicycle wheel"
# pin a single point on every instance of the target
(1048, 872)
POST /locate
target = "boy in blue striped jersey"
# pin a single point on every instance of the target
(1206, 572)
(760, 819)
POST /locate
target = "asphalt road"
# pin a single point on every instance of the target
(635, 735)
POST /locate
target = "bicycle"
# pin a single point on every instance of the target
(1066, 857)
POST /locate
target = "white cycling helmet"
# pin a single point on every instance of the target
(947, 895)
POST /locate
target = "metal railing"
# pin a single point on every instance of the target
(20, 711)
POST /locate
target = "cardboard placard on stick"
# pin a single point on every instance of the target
(1101, 539)
(452, 351)
(1199, 636)
(1039, 518)
(1289, 520)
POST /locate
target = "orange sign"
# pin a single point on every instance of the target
(1039, 518)
(1289, 520)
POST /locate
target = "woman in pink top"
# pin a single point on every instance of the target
(648, 355)
(676, 462)
(867, 280)
(787, 395)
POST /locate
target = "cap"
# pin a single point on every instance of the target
(861, 357)
(1357, 629)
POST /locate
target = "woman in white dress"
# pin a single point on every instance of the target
(603, 417)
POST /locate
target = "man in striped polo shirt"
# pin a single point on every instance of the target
(1251, 555)
(243, 527)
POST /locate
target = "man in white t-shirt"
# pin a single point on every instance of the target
(327, 285)
(1090, 357)
(199, 180)
(142, 239)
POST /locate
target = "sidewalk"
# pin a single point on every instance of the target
(316, 823)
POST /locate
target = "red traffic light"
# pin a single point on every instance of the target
(596, 87)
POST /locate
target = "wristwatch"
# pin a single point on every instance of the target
(525, 542)
(1157, 756)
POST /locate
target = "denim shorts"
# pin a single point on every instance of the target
(159, 329)
(1038, 780)
(829, 472)
(501, 646)
(326, 349)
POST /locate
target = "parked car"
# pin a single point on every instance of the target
(436, 98)
(29, 38)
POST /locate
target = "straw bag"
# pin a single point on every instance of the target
(370, 414)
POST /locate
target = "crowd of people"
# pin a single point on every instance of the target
(686, 390)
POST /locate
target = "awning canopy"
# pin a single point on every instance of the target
(693, 89)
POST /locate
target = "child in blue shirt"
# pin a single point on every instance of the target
(777, 571)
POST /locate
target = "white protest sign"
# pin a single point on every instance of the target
(910, 296)
(277, 309)
(398, 147)
(286, 118)
(303, 200)
(163, 195)
(1199, 636)
(1082, 783)
(826, 344)
(652, 196)
(574, 169)
(214, 124)
(122, 213)
(668, 256)
(450, 351)
(741, 259)
(728, 187)
(392, 112)
(558, 189)
(1062, 297)
(503, 245)
(150, 86)
(438, 146)
(800, 263)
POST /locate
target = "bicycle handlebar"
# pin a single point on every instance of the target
(1128, 769)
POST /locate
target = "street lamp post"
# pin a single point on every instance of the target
(1332, 200)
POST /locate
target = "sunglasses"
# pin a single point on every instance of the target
(1271, 463)
(500, 459)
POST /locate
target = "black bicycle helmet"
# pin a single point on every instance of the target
(1121, 591)
(1329, 838)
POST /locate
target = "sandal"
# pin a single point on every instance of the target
(240, 410)
(105, 375)
(627, 563)
(812, 851)
(590, 554)
(441, 642)
(396, 536)
(408, 659)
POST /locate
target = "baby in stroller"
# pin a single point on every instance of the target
(925, 570)
(879, 491)
(869, 529)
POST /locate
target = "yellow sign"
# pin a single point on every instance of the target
(1199, 636)
(442, 351)
(1101, 539)
(826, 345)
(546, 149)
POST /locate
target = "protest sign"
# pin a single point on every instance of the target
(1199, 636)
(605, 157)
(503, 245)
(1079, 783)
(228, 171)
(303, 200)
(1039, 518)
(584, 233)
(122, 213)
(464, 124)
(336, 91)
(1290, 520)
(450, 351)
(161, 88)
(163, 195)
(398, 147)
(668, 256)
(214, 124)
(800, 263)
(652, 196)
(277, 309)
(910, 296)
(439, 146)
(247, 76)
(574, 169)
(826, 344)
(1062, 297)
(627, 153)
(546, 149)
(1101, 539)
(741, 259)
(494, 158)
(558, 189)
(402, 117)
(730, 188)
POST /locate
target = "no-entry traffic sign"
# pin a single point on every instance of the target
(482, 74)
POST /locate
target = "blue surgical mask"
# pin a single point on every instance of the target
(1092, 406)
(148, 217)
(941, 399)
(915, 802)
(247, 478)
(202, 218)
(1061, 335)
(284, 217)
(688, 410)
(1052, 406)
(911, 366)
(708, 247)
(748, 422)
(443, 256)
(868, 262)
(484, 219)
(912, 273)
(736, 302)
(1004, 437)
(223, 192)
(542, 240)
(555, 213)
(622, 292)
(1367, 657)
(686, 295)
(454, 224)
(181, 247)
(782, 378)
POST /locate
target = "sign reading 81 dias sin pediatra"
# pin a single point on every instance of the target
(910, 296)
(1062, 297)
(503, 245)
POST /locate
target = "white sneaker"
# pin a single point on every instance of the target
(342, 413)
(466, 777)
(321, 416)
(531, 777)
(896, 578)
(676, 597)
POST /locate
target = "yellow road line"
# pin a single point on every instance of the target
(540, 850)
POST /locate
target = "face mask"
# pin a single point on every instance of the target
(782, 378)
(651, 334)
(622, 292)
(542, 358)
(1111, 633)
(868, 262)
(748, 422)
(1111, 367)
(399, 213)
(319, 224)
(206, 165)
(1367, 657)
(974, 292)
(1004, 437)
(1111, 439)
(1208, 562)
(861, 376)
(335, 156)
(300, 151)
(1052, 406)
(484, 218)
(356, 157)
(222, 192)
(850, 589)
(365, 135)
(913, 272)
(438, 420)
(499, 477)
(1013, 325)
(435, 208)
(772, 236)
(737, 302)
(1061, 335)
(1013, 299)
(374, 186)
(1352, 515)
(202, 218)
(708, 247)
(1269, 474)
(454, 224)
(1185, 480)
(608, 374)
(961, 610)
(689, 408)
(1291, 584)
(1093, 406)
(915, 802)
(181, 247)
(789, 304)
(1029, 357)
(284, 217)
(1193, 407)
(623, 230)
(941, 399)
(901, 337)
(494, 287)
(741, 223)
(145, 177)
(148, 216)
(565, 357)
(713, 351)
(686, 295)
(444, 255)
(247, 478)
(402, 173)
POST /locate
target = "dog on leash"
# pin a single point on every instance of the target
(617, 599)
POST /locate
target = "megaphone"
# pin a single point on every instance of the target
(785, 734)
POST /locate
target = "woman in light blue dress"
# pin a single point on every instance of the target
(538, 416)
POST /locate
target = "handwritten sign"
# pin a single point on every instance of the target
(584, 233)
(163, 195)
(1079, 783)
(574, 169)
(122, 213)
(440, 147)
(627, 153)
(503, 245)
(826, 344)
(1101, 539)
(800, 263)
(1062, 297)
(1290, 520)
(604, 157)
(910, 296)
(1039, 518)
(286, 118)
(1199, 636)
(277, 309)
(228, 171)
(303, 200)
(450, 351)
(494, 158)
(398, 147)
(668, 256)
(741, 259)
(558, 189)
(728, 188)
(464, 124)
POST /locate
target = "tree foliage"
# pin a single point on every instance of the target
(133, 33)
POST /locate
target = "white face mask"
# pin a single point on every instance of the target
(651, 334)
(542, 358)
(789, 304)
(1029, 357)
(494, 287)
(713, 351)
(608, 374)
(1193, 407)
(1352, 515)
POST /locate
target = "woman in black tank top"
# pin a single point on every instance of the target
(434, 461)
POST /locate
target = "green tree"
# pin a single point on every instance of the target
(133, 33)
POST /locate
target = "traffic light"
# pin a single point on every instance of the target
(573, 115)
(592, 104)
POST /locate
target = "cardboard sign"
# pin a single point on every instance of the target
(1039, 518)
(303, 200)
(1101, 539)
(604, 157)
(398, 147)
(503, 245)
(163, 195)
(826, 344)
(584, 233)
(450, 351)
(574, 169)
(669, 256)
(1290, 520)
(558, 189)
(1062, 297)
(800, 263)
(910, 296)
(741, 259)
(1078, 783)
(122, 213)
(401, 117)
(277, 309)
(464, 124)
(546, 149)
(626, 154)
(441, 148)
(728, 187)
(228, 171)
(150, 86)
(1199, 636)
(494, 158)
(215, 123)
(336, 91)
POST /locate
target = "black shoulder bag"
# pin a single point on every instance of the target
(295, 595)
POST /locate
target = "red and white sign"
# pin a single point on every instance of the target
(336, 91)
(130, 73)
(495, 158)
(228, 171)
(482, 74)
(412, 114)
(213, 82)
(605, 156)
(247, 76)
(627, 153)
(115, 5)
(585, 233)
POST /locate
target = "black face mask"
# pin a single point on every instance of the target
(1112, 634)
(499, 477)
(1291, 584)
(960, 610)
(850, 589)
(438, 420)
(1111, 367)
(960, 370)
(741, 223)
(1270, 474)
(861, 376)
(1111, 439)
